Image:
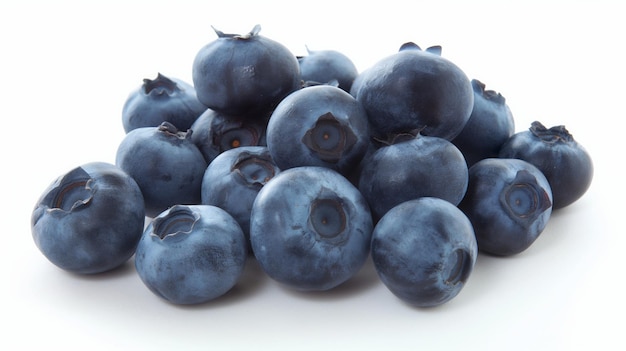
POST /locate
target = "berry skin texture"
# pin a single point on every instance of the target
(165, 163)
(412, 166)
(509, 203)
(415, 89)
(566, 164)
(490, 125)
(191, 254)
(244, 74)
(424, 251)
(161, 100)
(324, 66)
(234, 178)
(310, 228)
(321, 126)
(90, 219)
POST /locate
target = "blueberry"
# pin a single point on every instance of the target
(424, 251)
(234, 178)
(410, 166)
(415, 89)
(321, 126)
(324, 66)
(566, 163)
(165, 163)
(191, 254)
(310, 228)
(244, 74)
(215, 132)
(490, 125)
(509, 203)
(90, 219)
(160, 100)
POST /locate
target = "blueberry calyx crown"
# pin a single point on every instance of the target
(436, 49)
(254, 32)
(491, 95)
(328, 138)
(328, 218)
(161, 85)
(255, 170)
(551, 135)
(396, 138)
(70, 193)
(523, 199)
(171, 130)
(179, 220)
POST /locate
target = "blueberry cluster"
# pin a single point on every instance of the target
(311, 167)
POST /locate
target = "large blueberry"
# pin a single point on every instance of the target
(566, 163)
(424, 251)
(509, 203)
(321, 126)
(161, 100)
(310, 228)
(243, 74)
(234, 178)
(411, 166)
(490, 125)
(191, 254)
(90, 219)
(215, 132)
(165, 163)
(415, 89)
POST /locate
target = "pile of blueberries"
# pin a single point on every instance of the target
(310, 167)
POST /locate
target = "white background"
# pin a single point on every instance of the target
(67, 67)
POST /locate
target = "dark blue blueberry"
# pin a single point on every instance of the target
(165, 163)
(412, 166)
(90, 219)
(234, 178)
(310, 228)
(244, 74)
(415, 89)
(321, 126)
(424, 251)
(509, 203)
(324, 66)
(490, 125)
(191, 254)
(161, 100)
(215, 132)
(566, 163)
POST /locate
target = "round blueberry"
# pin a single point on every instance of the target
(321, 126)
(566, 163)
(310, 228)
(191, 254)
(424, 251)
(165, 163)
(90, 219)
(324, 66)
(509, 203)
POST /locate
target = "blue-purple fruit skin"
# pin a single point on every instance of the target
(490, 125)
(324, 66)
(415, 89)
(424, 251)
(321, 126)
(191, 254)
(566, 163)
(310, 229)
(90, 219)
(234, 178)
(165, 163)
(159, 100)
(509, 203)
(244, 74)
(410, 168)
